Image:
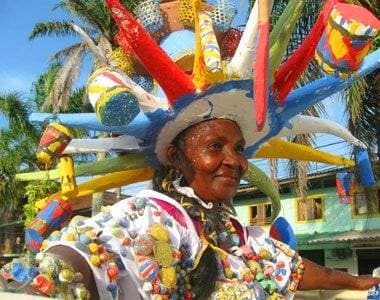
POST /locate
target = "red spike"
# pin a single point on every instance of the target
(289, 72)
(261, 66)
(175, 82)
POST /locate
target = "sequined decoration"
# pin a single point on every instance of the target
(230, 42)
(223, 14)
(149, 14)
(117, 107)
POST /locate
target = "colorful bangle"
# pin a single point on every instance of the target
(48, 274)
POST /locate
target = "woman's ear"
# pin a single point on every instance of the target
(173, 156)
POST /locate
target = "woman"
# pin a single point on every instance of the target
(182, 241)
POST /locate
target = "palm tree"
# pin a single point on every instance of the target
(42, 87)
(93, 17)
(17, 149)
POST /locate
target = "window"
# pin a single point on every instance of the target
(309, 209)
(362, 207)
(260, 214)
(329, 182)
(317, 256)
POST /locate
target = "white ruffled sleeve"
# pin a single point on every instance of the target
(140, 248)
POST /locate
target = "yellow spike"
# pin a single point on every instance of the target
(67, 174)
(103, 183)
(277, 148)
(202, 78)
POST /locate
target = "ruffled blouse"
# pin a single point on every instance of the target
(153, 244)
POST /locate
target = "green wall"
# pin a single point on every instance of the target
(337, 217)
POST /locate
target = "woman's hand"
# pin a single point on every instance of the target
(317, 277)
(365, 282)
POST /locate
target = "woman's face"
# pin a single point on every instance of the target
(210, 157)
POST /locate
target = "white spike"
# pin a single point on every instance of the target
(242, 61)
(117, 144)
(306, 124)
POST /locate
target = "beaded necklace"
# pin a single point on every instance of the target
(218, 231)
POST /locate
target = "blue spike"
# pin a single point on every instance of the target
(365, 168)
(314, 92)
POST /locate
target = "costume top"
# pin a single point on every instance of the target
(153, 245)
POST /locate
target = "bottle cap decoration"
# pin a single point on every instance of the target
(112, 99)
(149, 14)
(53, 142)
(223, 14)
(48, 219)
(347, 39)
(186, 12)
(345, 184)
(230, 42)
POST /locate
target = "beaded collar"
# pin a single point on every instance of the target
(214, 219)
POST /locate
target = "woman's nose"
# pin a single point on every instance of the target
(232, 158)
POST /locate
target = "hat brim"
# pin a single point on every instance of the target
(231, 100)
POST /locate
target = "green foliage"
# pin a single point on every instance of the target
(16, 112)
(42, 86)
(57, 28)
(96, 22)
(17, 149)
(34, 191)
(45, 83)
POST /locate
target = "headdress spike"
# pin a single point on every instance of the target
(175, 82)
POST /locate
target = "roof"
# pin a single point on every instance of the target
(345, 236)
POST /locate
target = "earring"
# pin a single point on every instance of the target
(177, 177)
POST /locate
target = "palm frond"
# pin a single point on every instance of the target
(88, 41)
(59, 5)
(90, 13)
(17, 148)
(59, 95)
(362, 109)
(42, 86)
(64, 53)
(50, 28)
(16, 111)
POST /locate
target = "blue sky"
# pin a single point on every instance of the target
(22, 61)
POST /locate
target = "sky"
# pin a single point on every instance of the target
(22, 61)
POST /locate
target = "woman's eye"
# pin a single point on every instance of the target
(240, 148)
(215, 146)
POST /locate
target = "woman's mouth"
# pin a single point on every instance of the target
(228, 179)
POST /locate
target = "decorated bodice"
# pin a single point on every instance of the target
(145, 247)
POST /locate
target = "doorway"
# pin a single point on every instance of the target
(368, 259)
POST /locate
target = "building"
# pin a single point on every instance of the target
(344, 236)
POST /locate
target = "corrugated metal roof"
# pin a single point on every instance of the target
(346, 236)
